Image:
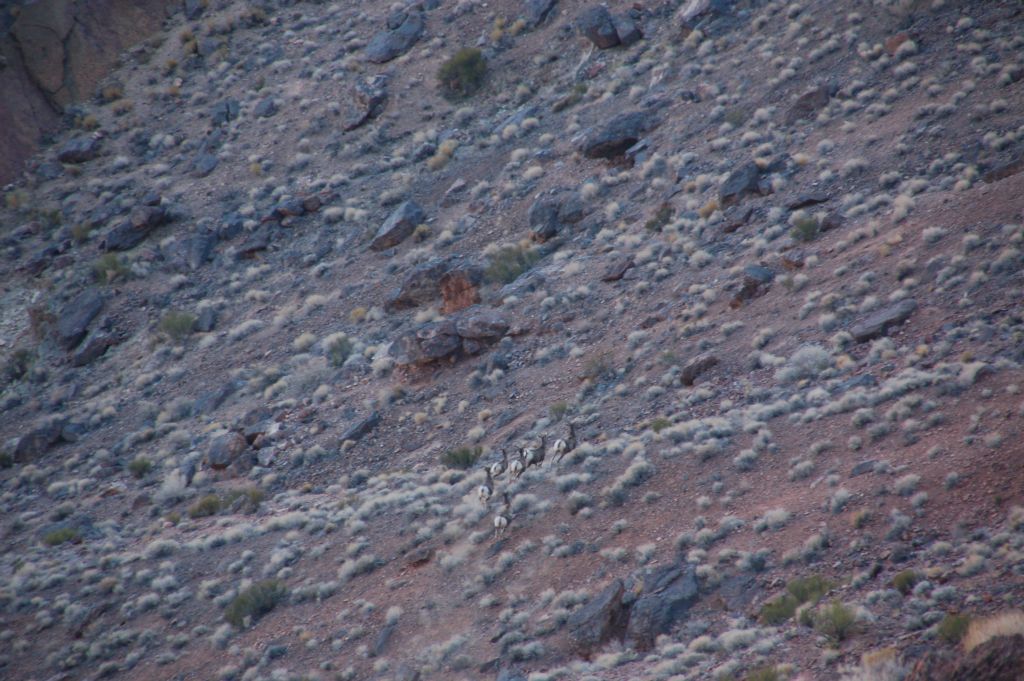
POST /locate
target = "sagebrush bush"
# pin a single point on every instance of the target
(836, 621)
(509, 263)
(463, 74)
(109, 267)
(255, 602)
(462, 458)
(953, 627)
(177, 325)
(140, 466)
(207, 506)
(338, 350)
(799, 591)
(62, 535)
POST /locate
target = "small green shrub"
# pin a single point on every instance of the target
(659, 424)
(558, 410)
(249, 498)
(805, 229)
(338, 351)
(109, 267)
(463, 74)
(140, 466)
(953, 627)
(255, 602)
(661, 218)
(904, 581)
(800, 591)
(763, 674)
(62, 535)
(462, 458)
(17, 365)
(836, 621)
(509, 263)
(599, 367)
(177, 325)
(207, 506)
(6, 460)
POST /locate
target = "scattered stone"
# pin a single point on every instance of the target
(199, 248)
(194, 9)
(1000, 658)
(537, 11)
(808, 199)
(361, 428)
(1004, 170)
(204, 164)
(225, 111)
(454, 193)
(399, 226)
(596, 25)
(94, 348)
(207, 320)
(38, 440)
(368, 99)
(431, 342)
(79, 150)
(793, 260)
(265, 108)
(381, 642)
(132, 232)
(421, 285)
(257, 241)
(224, 449)
(616, 267)
(863, 467)
(599, 620)
(696, 367)
(616, 136)
(878, 323)
(74, 319)
(808, 104)
(744, 180)
(737, 219)
(482, 323)
(393, 43)
(627, 29)
(666, 594)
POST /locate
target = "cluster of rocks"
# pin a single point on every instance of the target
(467, 333)
(606, 30)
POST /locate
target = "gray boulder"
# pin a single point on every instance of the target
(38, 440)
(617, 135)
(808, 104)
(627, 29)
(392, 43)
(224, 449)
(537, 11)
(73, 320)
(596, 25)
(399, 226)
(744, 180)
(431, 342)
(367, 100)
(666, 594)
(79, 150)
(599, 620)
(878, 323)
(481, 323)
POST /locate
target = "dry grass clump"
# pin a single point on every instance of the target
(463, 74)
(255, 602)
(462, 458)
(1004, 624)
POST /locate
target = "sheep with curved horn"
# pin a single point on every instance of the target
(503, 517)
(516, 466)
(564, 445)
(484, 491)
(499, 467)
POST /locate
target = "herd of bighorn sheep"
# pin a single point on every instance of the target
(525, 457)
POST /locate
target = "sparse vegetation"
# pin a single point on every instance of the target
(177, 325)
(953, 627)
(108, 268)
(140, 466)
(255, 602)
(798, 592)
(835, 621)
(61, 536)
(509, 263)
(463, 74)
(462, 458)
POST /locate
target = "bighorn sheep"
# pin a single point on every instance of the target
(484, 491)
(503, 517)
(533, 456)
(498, 467)
(564, 445)
(516, 467)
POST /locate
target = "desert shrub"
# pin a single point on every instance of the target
(953, 627)
(558, 410)
(338, 350)
(805, 229)
(249, 499)
(17, 365)
(109, 267)
(207, 506)
(763, 674)
(979, 631)
(571, 99)
(660, 219)
(799, 591)
(177, 325)
(904, 581)
(836, 621)
(61, 535)
(255, 602)
(509, 263)
(462, 458)
(463, 74)
(659, 424)
(6, 460)
(140, 466)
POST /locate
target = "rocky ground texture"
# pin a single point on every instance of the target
(746, 276)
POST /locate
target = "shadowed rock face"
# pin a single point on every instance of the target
(56, 51)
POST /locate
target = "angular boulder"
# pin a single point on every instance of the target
(431, 342)
(460, 287)
(617, 135)
(598, 621)
(73, 320)
(537, 11)
(367, 100)
(596, 25)
(224, 449)
(79, 150)
(38, 440)
(666, 594)
(627, 29)
(744, 180)
(482, 323)
(421, 285)
(399, 226)
(392, 43)
(808, 104)
(878, 323)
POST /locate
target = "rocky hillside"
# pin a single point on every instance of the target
(523, 340)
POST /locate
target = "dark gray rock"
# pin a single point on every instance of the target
(596, 25)
(209, 402)
(194, 9)
(199, 248)
(808, 104)
(207, 320)
(73, 320)
(204, 164)
(863, 467)
(537, 11)
(361, 428)
(381, 642)
(257, 241)
(265, 108)
(617, 135)
(696, 367)
(392, 43)
(666, 594)
(616, 267)
(543, 217)
(367, 100)
(742, 181)
(224, 449)
(430, 342)
(225, 111)
(93, 348)
(38, 440)
(399, 226)
(599, 620)
(79, 150)
(132, 232)
(878, 323)
(812, 198)
(627, 30)
(421, 285)
(481, 323)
